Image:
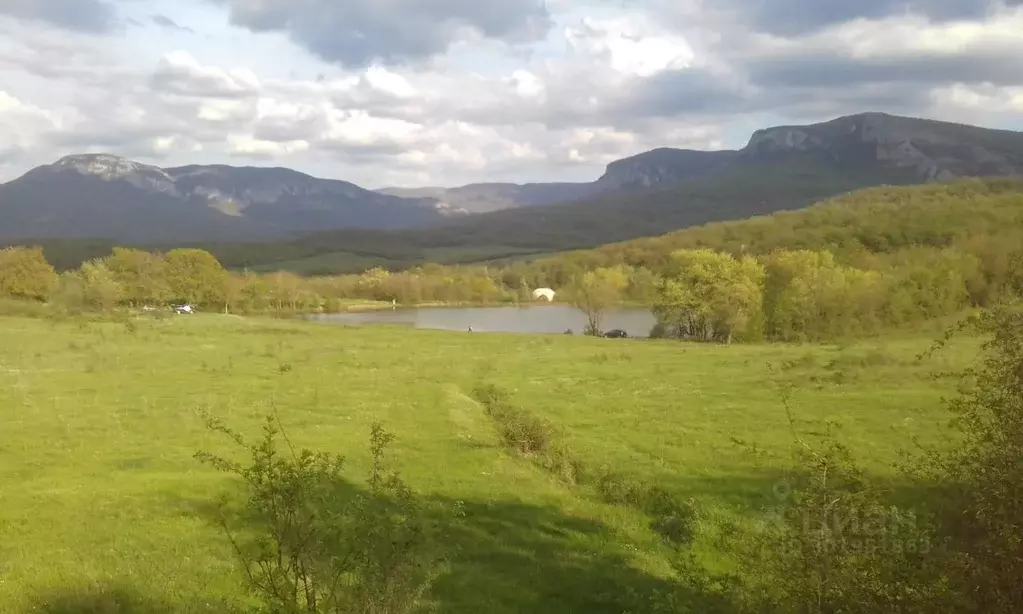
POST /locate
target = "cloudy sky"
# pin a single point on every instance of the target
(446, 92)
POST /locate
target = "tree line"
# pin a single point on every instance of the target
(856, 265)
(697, 294)
(135, 278)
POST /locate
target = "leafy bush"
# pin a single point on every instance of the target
(312, 543)
(519, 429)
(530, 435)
(836, 546)
(658, 331)
(673, 518)
(22, 308)
(981, 510)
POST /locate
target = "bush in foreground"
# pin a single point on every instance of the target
(312, 543)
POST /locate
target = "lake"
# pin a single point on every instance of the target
(530, 319)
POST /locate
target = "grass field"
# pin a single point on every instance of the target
(98, 425)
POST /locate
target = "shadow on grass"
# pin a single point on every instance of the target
(773, 486)
(508, 557)
(117, 599)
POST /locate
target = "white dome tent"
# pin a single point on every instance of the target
(545, 293)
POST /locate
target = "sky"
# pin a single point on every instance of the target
(448, 92)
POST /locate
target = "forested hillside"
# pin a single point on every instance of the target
(855, 265)
(984, 215)
(789, 183)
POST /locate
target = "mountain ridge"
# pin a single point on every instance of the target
(917, 144)
(103, 196)
(133, 201)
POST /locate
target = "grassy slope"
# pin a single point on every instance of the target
(882, 219)
(97, 482)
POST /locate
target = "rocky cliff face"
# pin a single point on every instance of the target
(663, 166)
(930, 150)
(113, 168)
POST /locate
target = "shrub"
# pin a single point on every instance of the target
(981, 506)
(519, 429)
(673, 518)
(529, 435)
(22, 308)
(314, 543)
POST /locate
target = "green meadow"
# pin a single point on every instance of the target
(101, 500)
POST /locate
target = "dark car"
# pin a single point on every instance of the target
(616, 334)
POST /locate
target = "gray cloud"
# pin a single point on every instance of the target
(121, 138)
(166, 22)
(91, 16)
(356, 33)
(363, 154)
(180, 74)
(284, 129)
(815, 76)
(690, 91)
(830, 69)
(796, 17)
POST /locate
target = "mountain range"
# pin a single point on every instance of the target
(99, 196)
(104, 196)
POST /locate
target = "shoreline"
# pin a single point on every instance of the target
(382, 306)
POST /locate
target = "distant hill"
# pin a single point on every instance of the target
(247, 215)
(661, 166)
(926, 150)
(102, 196)
(986, 214)
(781, 168)
(487, 197)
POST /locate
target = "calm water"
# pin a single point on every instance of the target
(533, 319)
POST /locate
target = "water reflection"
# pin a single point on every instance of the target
(531, 319)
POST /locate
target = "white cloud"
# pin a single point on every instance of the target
(981, 99)
(385, 81)
(180, 73)
(526, 84)
(244, 145)
(630, 46)
(481, 92)
(22, 123)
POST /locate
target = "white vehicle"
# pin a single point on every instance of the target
(184, 309)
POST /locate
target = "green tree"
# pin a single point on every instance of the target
(642, 286)
(255, 292)
(100, 288)
(810, 296)
(25, 273)
(594, 292)
(286, 289)
(142, 275)
(234, 293)
(707, 295)
(70, 293)
(195, 276)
